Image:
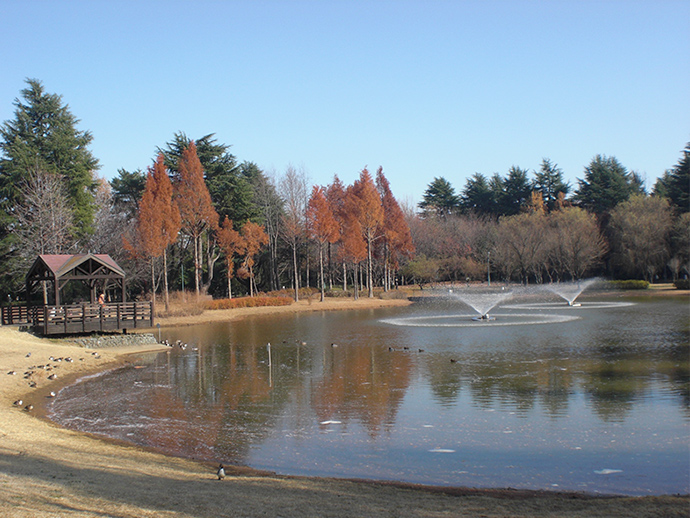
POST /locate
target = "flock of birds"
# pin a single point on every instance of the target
(32, 375)
(179, 344)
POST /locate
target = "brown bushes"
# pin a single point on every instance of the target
(247, 302)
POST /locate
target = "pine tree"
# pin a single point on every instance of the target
(549, 182)
(439, 199)
(43, 136)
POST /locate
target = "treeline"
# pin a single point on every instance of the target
(199, 219)
(540, 229)
(196, 219)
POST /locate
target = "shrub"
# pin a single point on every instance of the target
(248, 302)
(682, 284)
(629, 285)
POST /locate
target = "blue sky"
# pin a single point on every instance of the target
(422, 88)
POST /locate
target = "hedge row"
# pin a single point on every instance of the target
(248, 302)
(682, 284)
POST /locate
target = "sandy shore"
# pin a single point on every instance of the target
(49, 471)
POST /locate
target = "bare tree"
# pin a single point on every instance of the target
(578, 246)
(45, 221)
(640, 229)
(521, 245)
(294, 190)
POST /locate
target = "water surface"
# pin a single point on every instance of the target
(596, 401)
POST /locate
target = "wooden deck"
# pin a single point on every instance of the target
(81, 318)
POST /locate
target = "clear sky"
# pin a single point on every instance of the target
(422, 88)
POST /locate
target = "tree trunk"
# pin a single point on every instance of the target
(354, 281)
(370, 283)
(153, 282)
(321, 268)
(197, 264)
(165, 280)
(296, 271)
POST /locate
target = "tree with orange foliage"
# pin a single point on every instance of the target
(335, 194)
(254, 237)
(196, 208)
(231, 242)
(365, 205)
(159, 220)
(354, 246)
(321, 225)
(397, 239)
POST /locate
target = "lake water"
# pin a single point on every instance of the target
(593, 398)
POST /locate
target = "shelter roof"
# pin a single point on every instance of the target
(60, 264)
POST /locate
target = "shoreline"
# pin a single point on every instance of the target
(46, 469)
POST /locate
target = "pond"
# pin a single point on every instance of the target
(593, 398)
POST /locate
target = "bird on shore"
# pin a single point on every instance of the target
(29, 408)
(52, 376)
(19, 402)
(220, 472)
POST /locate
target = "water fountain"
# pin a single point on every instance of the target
(482, 301)
(570, 290)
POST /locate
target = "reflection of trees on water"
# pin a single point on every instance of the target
(216, 402)
(612, 380)
(366, 383)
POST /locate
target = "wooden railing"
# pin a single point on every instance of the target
(15, 314)
(81, 318)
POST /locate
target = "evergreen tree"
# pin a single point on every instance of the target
(439, 199)
(477, 196)
(228, 183)
(675, 183)
(127, 190)
(43, 136)
(517, 189)
(606, 184)
(549, 182)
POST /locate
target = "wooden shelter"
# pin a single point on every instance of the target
(100, 273)
(94, 270)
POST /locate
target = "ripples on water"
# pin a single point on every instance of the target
(597, 401)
